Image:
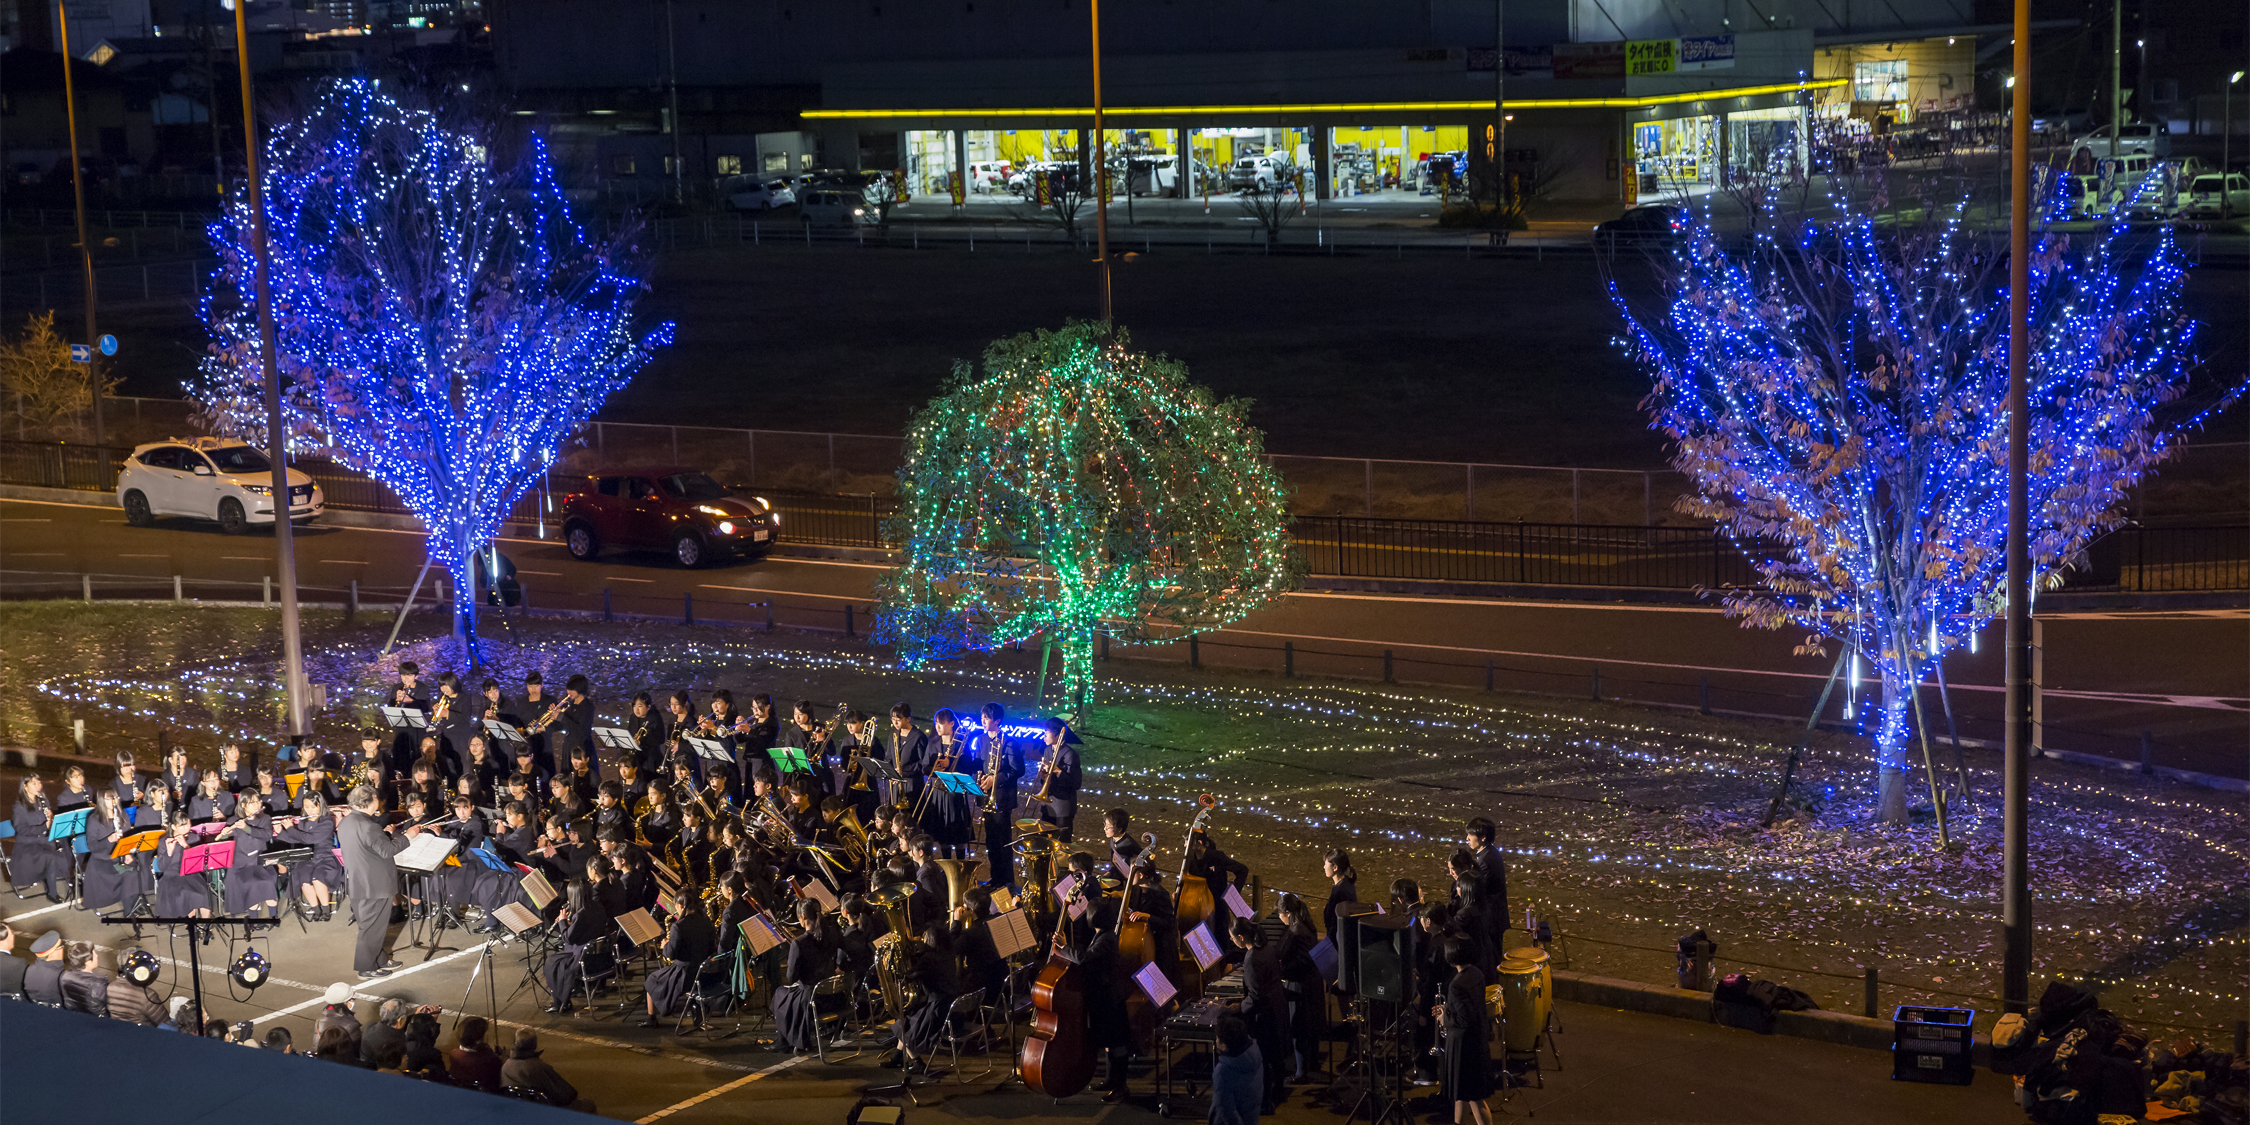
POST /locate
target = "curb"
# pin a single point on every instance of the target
(1839, 1028)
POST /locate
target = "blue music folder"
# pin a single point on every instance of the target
(491, 860)
(69, 824)
(1324, 958)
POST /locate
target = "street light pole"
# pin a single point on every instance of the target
(1101, 169)
(2015, 906)
(2226, 144)
(2116, 73)
(277, 439)
(78, 190)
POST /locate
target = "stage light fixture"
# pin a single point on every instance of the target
(139, 967)
(250, 970)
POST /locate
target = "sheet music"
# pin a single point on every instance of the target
(1234, 902)
(427, 852)
(1117, 860)
(1003, 899)
(1204, 946)
(760, 931)
(1155, 985)
(504, 732)
(516, 918)
(818, 891)
(1011, 933)
(536, 885)
(670, 903)
(639, 926)
(614, 738)
(664, 873)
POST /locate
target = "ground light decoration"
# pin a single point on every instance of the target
(1838, 395)
(1075, 488)
(444, 325)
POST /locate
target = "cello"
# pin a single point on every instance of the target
(1057, 1059)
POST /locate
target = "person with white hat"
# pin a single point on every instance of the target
(337, 1013)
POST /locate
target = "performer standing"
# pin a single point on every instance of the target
(1265, 1001)
(1059, 776)
(1003, 768)
(649, 735)
(1492, 876)
(909, 757)
(946, 815)
(1468, 1058)
(370, 853)
(407, 693)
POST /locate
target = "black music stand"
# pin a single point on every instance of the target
(618, 739)
(519, 923)
(404, 718)
(711, 752)
(425, 858)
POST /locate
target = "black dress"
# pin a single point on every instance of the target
(37, 859)
(587, 926)
(250, 883)
(692, 942)
(109, 882)
(178, 895)
(1468, 1058)
(796, 1023)
(322, 867)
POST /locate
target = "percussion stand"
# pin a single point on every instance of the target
(1380, 1063)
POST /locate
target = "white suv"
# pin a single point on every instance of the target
(209, 478)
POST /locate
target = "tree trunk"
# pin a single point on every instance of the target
(463, 565)
(1890, 749)
(1078, 667)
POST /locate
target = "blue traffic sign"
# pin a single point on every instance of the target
(81, 353)
(108, 345)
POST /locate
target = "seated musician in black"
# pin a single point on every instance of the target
(921, 1027)
(610, 811)
(970, 939)
(584, 921)
(811, 959)
(1117, 831)
(1146, 900)
(692, 941)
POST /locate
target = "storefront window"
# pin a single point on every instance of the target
(1880, 81)
(1676, 155)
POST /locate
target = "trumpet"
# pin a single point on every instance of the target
(548, 719)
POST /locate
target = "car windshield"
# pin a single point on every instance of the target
(694, 486)
(240, 459)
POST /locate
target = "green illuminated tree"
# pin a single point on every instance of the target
(1078, 489)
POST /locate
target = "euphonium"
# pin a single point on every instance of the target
(773, 826)
(852, 837)
(894, 952)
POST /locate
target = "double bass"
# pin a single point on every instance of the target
(1192, 903)
(1057, 1059)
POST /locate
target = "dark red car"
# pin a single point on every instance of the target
(681, 512)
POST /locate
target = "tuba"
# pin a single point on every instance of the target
(894, 951)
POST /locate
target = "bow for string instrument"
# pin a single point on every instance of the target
(1057, 1058)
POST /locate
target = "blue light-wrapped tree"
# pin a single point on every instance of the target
(444, 325)
(1838, 393)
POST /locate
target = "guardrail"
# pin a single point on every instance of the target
(2132, 559)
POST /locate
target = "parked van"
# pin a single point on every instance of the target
(832, 207)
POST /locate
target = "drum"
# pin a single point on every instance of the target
(1524, 1003)
(1533, 955)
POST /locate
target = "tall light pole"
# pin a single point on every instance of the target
(2116, 73)
(672, 64)
(2226, 146)
(2015, 893)
(1101, 168)
(277, 439)
(78, 189)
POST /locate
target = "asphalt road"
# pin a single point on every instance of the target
(2107, 677)
(1680, 1071)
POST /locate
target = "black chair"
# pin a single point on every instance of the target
(833, 994)
(964, 1023)
(597, 964)
(711, 990)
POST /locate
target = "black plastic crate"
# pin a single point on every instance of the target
(1932, 1044)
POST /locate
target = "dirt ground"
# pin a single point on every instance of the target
(1625, 827)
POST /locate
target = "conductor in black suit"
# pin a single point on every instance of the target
(369, 852)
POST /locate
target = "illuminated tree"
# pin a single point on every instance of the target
(1839, 399)
(444, 325)
(1077, 488)
(48, 393)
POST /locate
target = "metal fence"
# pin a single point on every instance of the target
(181, 279)
(2133, 559)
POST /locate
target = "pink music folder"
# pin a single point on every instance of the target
(207, 857)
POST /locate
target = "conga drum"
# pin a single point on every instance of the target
(1524, 1003)
(1532, 954)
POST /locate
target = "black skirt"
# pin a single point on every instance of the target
(248, 887)
(107, 883)
(1468, 1057)
(179, 895)
(668, 987)
(922, 1028)
(796, 1027)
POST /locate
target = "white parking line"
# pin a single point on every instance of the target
(715, 1091)
(34, 913)
(24, 519)
(619, 578)
(377, 982)
(347, 562)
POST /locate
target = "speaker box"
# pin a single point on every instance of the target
(1386, 957)
(1347, 943)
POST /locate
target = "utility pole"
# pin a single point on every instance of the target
(1499, 154)
(78, 190)
(2015, 893)
(1100, 169)
(2226, 144)
(277, 440)
(672, 52)
(2116, 74)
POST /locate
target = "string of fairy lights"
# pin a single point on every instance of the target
(443, 324)
(1078, 489)
(1838, 393)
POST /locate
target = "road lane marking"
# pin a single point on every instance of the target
(347, 562)
(25, 519)
(35, 913)
(164, 556)
(792, 593)
(715, 1091)
(618, 578)
(245, 558)
(540, 573)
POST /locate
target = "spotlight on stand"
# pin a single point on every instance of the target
(250, 970)
(139, 967)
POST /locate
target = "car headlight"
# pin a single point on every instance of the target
(775, 517)
(726, 527)
(258, 489)
(859, 210)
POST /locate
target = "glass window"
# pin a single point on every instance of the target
(606, 486)
(641, 489)
(241, 459)
(694, 486)
(1880, 81)
(162, 457)
(622, 164)
(730, 166)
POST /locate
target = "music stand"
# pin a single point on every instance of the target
(519, 922)
(615, 738)
(423, 856)
(205, 858)
(69, 824)
(504, 733)
(709, 750)
(789, 760)
(404, 718)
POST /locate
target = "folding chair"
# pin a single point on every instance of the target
(967, 1008)
(713, 984)
(836, 991)
(597, 964)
